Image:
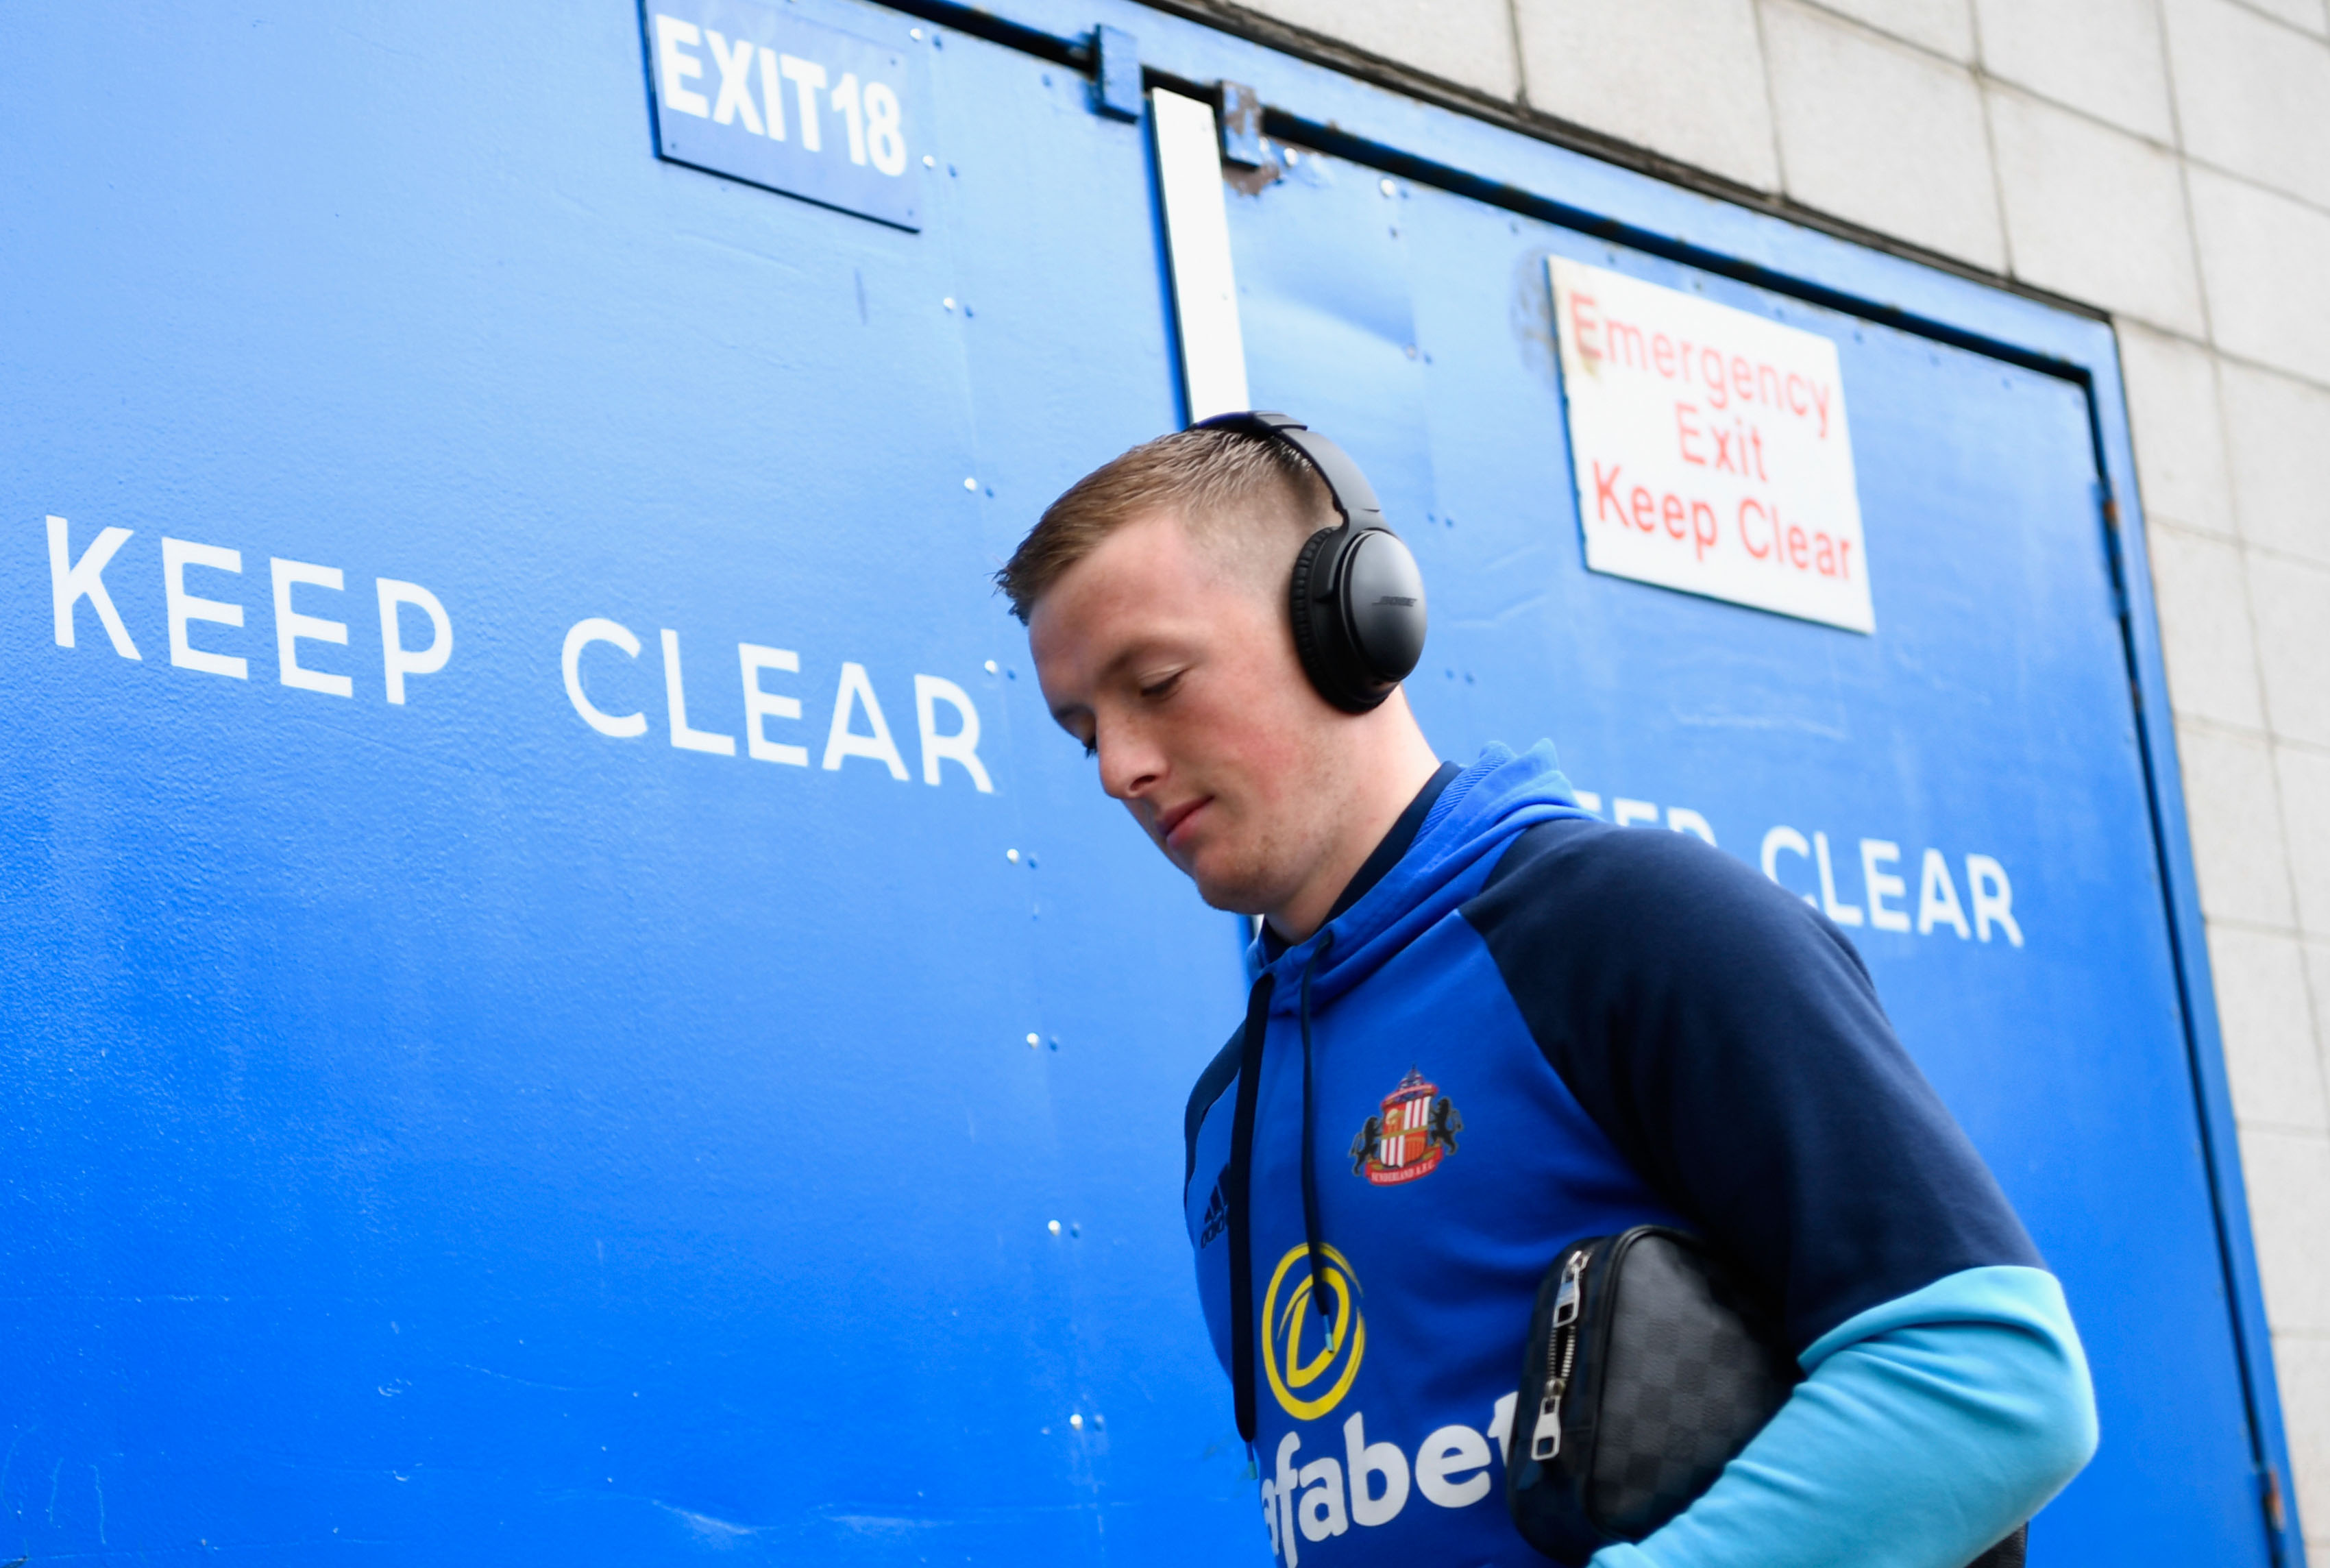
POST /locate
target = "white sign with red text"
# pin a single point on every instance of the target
(1711, 447)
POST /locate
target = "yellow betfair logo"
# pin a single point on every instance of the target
(1287, 1332)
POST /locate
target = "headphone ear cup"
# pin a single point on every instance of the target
(1383, 608)
(1310, 614)
(1357, 600)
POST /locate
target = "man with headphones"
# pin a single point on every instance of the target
(1457, 1057)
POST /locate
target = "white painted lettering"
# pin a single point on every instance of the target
(963, 746)
(1993, 897)
(884, 137)
(177, 555)
(677, 67)
(1842, 914)
(292, 628)
(1626, 812)
(1938, 897)
(772, 93)
(1684, 819)
(842, 742)
(1786, 838)
(579, 636)
(85, 579)
(853, 115)
(808, 78)
(399, 662)
(1880, 886)
(760, 706)
(675, 703)
(735, 83)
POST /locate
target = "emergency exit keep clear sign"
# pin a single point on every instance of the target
(1710, 449)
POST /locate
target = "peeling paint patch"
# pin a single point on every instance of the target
(711, 1531)
(882, 1526)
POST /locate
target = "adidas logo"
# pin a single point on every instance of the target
(1218, 1217)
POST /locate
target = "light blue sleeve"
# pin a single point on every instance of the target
(1929, 1427)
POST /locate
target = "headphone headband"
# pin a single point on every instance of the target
(1354, 499)
(1355, 595)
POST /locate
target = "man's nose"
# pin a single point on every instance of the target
(1130, 766)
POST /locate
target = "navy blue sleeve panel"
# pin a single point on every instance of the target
(1219, 1074)
(1728, 1041)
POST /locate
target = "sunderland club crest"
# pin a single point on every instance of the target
(1407, 1139)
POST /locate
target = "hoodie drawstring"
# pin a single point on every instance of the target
(1310, 1171)
(1237, 1183)
(1237, 1197)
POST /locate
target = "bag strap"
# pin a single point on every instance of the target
(2009, 1553)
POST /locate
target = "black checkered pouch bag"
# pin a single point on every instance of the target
(1648, 1368)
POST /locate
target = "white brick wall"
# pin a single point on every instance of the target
(2094, 211)
(1881, 133)
(1666, 73)
(2104, 58)
(2168, 161)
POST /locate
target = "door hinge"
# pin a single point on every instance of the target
(1116, 73)
(2113, 554)
(2270, 1498)
(1240, 112)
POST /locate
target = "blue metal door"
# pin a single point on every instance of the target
(462, 1130)
(1989, 720)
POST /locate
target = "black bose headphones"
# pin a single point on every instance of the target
(1357, 595)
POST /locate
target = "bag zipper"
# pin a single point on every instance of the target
(1560, 1356)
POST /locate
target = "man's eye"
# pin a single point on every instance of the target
(1161, 688)
(1092, 748)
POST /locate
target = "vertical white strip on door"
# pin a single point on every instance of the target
(1197, 244)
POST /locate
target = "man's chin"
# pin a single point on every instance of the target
(1238, 894)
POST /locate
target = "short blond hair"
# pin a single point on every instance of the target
(1228, 487)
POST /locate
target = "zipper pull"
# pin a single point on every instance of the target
(1564, 1304)
(1545, 1440)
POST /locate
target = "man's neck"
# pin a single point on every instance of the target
(1404, 764)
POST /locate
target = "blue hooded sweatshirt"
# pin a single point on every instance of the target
(1527, 1027)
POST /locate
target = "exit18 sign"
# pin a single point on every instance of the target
(1710, 449)
(772, 97)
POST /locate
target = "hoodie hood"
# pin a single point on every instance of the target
(1482, 811)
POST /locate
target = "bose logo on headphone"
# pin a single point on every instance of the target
(1357, 595)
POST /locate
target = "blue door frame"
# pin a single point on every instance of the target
(1318, 107)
